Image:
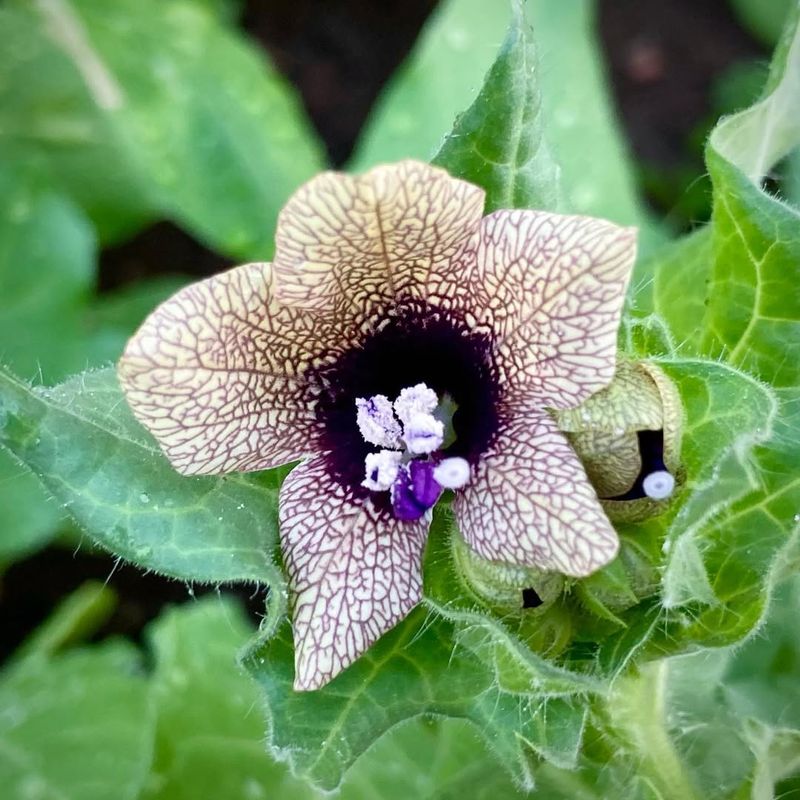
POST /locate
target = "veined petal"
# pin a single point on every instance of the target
(531, 503)
(353, 574)
(216, 373)
(351, 244)
(551, 287)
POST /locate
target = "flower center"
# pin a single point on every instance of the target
(418, 375)
(418, 427)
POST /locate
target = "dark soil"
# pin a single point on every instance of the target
(663, 58)
(161, 248)
(338, 53)
(56, 572)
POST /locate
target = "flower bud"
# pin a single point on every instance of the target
(506, 586)
(628, 439)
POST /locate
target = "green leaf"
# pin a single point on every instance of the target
(81, 441)
(210, 730)
(44, 289)
(737, 534)
(660, 291)
(442, 77)
(761, 681)
(436, 82)
(418, 668)
(30, 518)
(597, 175)
(448, 660)
(752, 319)
(763, 18)
(51, 325)
(498, 142)
(187, 120)
(44, 754)
(441, 759)
(203, 736)
(44, 286)
(74, 620)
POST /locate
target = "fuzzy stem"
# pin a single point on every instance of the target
(638, 709)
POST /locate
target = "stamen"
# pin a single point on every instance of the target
(414, 400)
(414, 481)
(421, 352)
(658, 485)
(452, 473)
(381, 470)
(377, 422)
(423, 433)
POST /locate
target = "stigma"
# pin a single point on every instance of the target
(414, 431)
(658, 485)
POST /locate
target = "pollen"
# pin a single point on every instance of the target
(376, 421)
(419, 399)
(423, 433)
(381, 469)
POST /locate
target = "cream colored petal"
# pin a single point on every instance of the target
(353, 574)
(217, 374)
(531, 503)
(552, 288)
(351, 244)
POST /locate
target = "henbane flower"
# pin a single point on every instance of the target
(399, 345)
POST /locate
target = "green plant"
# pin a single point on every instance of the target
(671, 673)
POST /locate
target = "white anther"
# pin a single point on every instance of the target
(376, 421)
(423, 433)
(417, 399)
(381, 470)
(451, 473)
(658, 485)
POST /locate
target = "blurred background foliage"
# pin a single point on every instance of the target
(144, 143)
